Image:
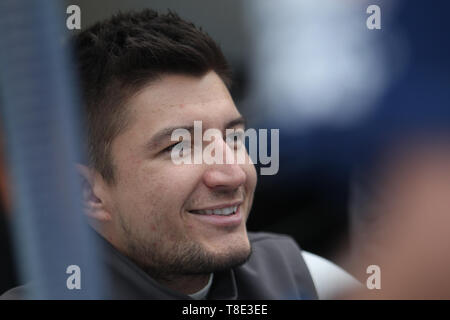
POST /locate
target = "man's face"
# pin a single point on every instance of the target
(152, 199)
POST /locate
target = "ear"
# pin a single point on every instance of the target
(94, 194)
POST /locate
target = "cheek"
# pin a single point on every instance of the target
(252, 178)
(164, 190)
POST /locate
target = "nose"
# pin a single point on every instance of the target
(226, 176)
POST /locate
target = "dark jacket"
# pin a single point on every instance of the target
(275, 270)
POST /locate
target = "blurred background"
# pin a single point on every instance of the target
(339, 93)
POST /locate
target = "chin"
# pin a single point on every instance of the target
(231, 258)
(221, 243)
(234, 247)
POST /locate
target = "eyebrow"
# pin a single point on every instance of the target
(165, 133)
(236, 122)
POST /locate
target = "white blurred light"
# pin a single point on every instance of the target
(315, 62)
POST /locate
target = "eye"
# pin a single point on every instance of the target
(236, 139)
(169, 148)
(183, 145)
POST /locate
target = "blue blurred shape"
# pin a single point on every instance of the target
(42, 134)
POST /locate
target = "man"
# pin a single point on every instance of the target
(171, 231)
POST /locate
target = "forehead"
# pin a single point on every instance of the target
(180, 98)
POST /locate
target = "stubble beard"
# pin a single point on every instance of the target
(184, 258)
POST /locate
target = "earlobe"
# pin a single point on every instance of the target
(94, 199)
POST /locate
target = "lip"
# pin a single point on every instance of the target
(221, 206)
(233, 220)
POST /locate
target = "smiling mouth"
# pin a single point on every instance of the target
(227, 211)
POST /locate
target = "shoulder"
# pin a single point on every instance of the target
(266, 244)
(275, 269)
(281, 252)
(275, 249)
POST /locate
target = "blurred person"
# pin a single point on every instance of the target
(174, 231)
(405, 224)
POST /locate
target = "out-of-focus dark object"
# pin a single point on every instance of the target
(8, 277)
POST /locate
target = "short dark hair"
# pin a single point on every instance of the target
(119, 56)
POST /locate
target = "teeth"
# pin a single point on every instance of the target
(220, 212)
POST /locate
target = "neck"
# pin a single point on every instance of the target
(186, 284)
